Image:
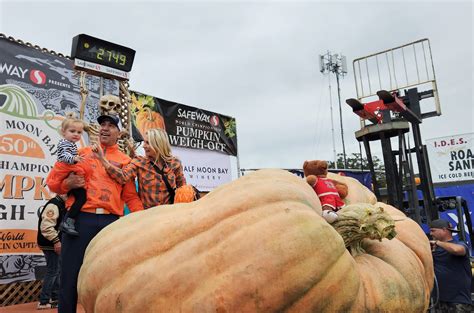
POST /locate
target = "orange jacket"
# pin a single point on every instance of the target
(102, 190)
(83, 168)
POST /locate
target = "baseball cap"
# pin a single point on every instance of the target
(111, 118)
(440, 223)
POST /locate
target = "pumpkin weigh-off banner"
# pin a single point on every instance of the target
(203, 140)
(187, 127)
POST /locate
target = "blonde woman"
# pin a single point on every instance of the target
(159, 173)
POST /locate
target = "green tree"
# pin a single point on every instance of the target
(354, 163)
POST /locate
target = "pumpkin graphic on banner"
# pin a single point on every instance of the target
(144, 117)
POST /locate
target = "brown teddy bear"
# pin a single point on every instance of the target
(329, 191)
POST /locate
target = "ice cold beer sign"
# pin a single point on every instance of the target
(451, 158)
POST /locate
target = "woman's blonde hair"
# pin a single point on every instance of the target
(160, 144)
(70, 120)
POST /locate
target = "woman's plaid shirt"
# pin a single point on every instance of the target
(151, 187)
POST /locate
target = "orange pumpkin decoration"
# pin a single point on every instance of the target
(148, 119)
(145, 117)
(258, 244)
(186, 193)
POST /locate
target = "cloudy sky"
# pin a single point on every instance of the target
(258, 60)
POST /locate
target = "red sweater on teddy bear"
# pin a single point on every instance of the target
(327, 193)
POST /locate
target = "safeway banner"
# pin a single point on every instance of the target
(451, 158)
(36, 90)
(187, 127)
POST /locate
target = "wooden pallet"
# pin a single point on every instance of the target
(18, 293)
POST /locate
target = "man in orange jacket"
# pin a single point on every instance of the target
(104, 205)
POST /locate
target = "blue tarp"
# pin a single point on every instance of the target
(363, 177)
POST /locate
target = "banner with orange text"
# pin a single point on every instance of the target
(36, 90)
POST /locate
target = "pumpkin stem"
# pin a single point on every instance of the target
(149, 112)
(359, 222)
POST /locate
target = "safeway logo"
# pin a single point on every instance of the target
(214, 120)
(37, 77)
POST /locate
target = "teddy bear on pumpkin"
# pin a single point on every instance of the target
(329, 191)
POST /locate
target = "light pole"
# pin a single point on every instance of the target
(336, 64)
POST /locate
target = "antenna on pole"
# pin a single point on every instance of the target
(336, 64)
(322, 69)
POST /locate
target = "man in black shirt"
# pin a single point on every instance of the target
(452, 268)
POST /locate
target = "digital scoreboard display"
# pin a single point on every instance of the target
(102, 52)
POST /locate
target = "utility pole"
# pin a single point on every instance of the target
(336, 64)
(332, 125)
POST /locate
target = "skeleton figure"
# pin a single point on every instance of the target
(126, 143)
(109, 105)
(92, 130)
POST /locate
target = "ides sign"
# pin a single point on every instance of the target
(451, 158)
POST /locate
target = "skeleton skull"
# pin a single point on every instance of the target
(109, 104)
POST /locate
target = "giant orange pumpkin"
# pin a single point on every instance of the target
(258, 244)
